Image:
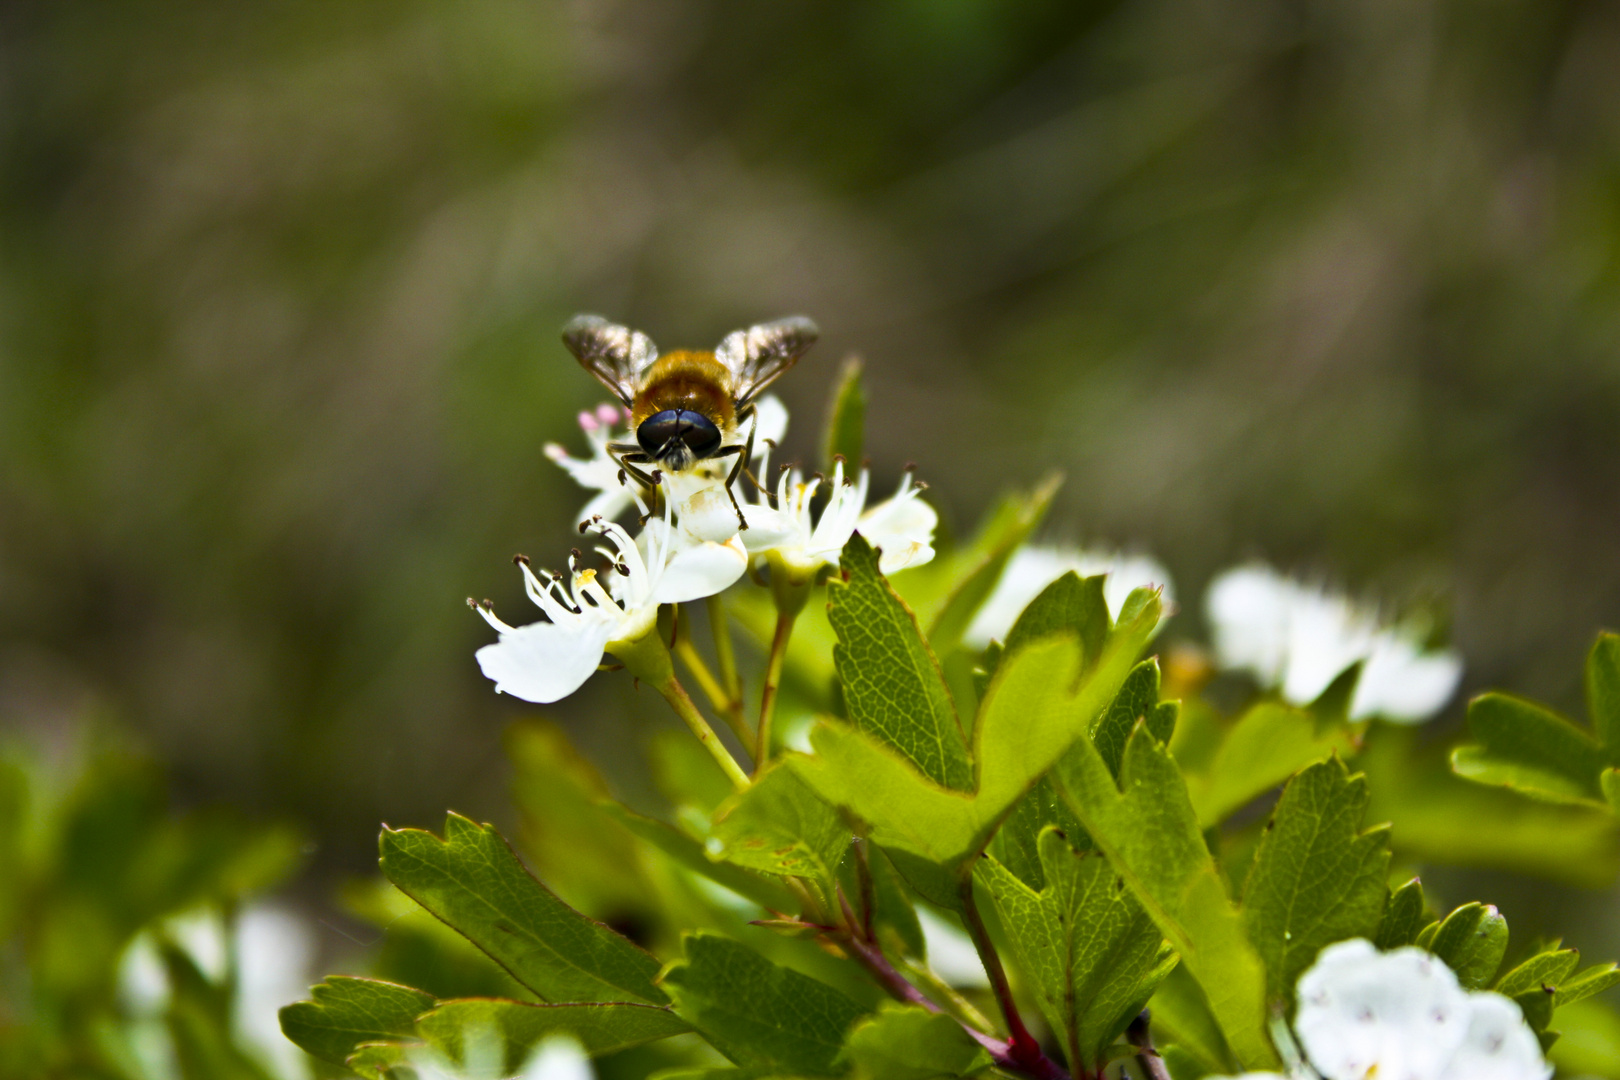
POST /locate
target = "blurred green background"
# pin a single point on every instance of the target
(1330, 282)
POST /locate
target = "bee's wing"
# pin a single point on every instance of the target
(757, 355)
(616, 355)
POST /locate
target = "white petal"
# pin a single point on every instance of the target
(772, 419)
(1325, 636)
(1403, 684)
(1249, 609)
(902, 528)
(709, 515)
(558, 1058)
(545, 662)
(768, 529)
(1499, 1044)
(1363, 1013)
(694, 568)
(1033, 567)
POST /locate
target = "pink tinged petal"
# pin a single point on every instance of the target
(545, 662)
(696, 569)
(1499, 1044)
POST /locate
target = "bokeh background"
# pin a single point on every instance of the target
(1332, 282)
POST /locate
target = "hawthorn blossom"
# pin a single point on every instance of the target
(546, 661)
(599, 472)
(1033, 567)
(1300, 638)
(1402, 1015)
(902, 526)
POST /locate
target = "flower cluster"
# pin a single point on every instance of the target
(1402, 1015)
(694, 547)
(1299, 639)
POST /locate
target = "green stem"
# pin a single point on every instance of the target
(647, 658)
(722, 704)
(725, 655)
(681, 702)
(773, 678)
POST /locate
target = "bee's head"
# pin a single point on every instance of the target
(675, 438)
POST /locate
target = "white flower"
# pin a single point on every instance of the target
(1402, 1015)
(546, 661)
(599, 472)
(1301, 638)
(902, 526)
(1034, 567)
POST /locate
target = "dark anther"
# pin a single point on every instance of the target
(576, 553)
(472, 603)
(520, 560)
(583, 526)
(839, 458)
(911, 466)
(621, 568)
(488, 604)
(920, 485)
(769, 442)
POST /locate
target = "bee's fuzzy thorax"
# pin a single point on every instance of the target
(687, 379)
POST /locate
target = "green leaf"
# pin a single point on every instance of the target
(375, 1060)
(473, 881)
(1603, 691)
(1037, 706)
(846, 418)
(582, 854)
(1317, 878)
(1092, 952)
(907, 1042)
(1069, 605)
(1137, 700)
(1017, 843)
(1440, 818)
(345, 1012)
(600, 1028)
(1181, 1015)
(1533, 750)
(1590, 1042)
(975, 571)
(1147, 828)
(1404, 917)
(1584, 984)
(781, 827)
(757, 1013)
(687, 852)
(1267, 745)
(892, 683)
(1472, 941)
(1541, 970)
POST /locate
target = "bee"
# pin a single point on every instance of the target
(687, 406)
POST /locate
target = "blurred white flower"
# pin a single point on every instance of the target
(558, 1058)
(1401, 1015)
(275, 949)
(902, 526)
(951, 953)
(546, 661)
(1033, 567)
(1299, 639)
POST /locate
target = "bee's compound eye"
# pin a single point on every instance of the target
(658, 429)
(696, 432)
(701, 435)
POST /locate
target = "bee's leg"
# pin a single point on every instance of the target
(731, 478)
(628, 460)
(748, 413)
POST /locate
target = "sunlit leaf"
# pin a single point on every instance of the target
(845, 434)
(1471, 940)
(344, 1012)
(1092, 952)
(1267, 745)
(1317, 878)
(780, 826)
(906, 1042)
(1404, 917)
(1528, 748)
(1146, 826)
